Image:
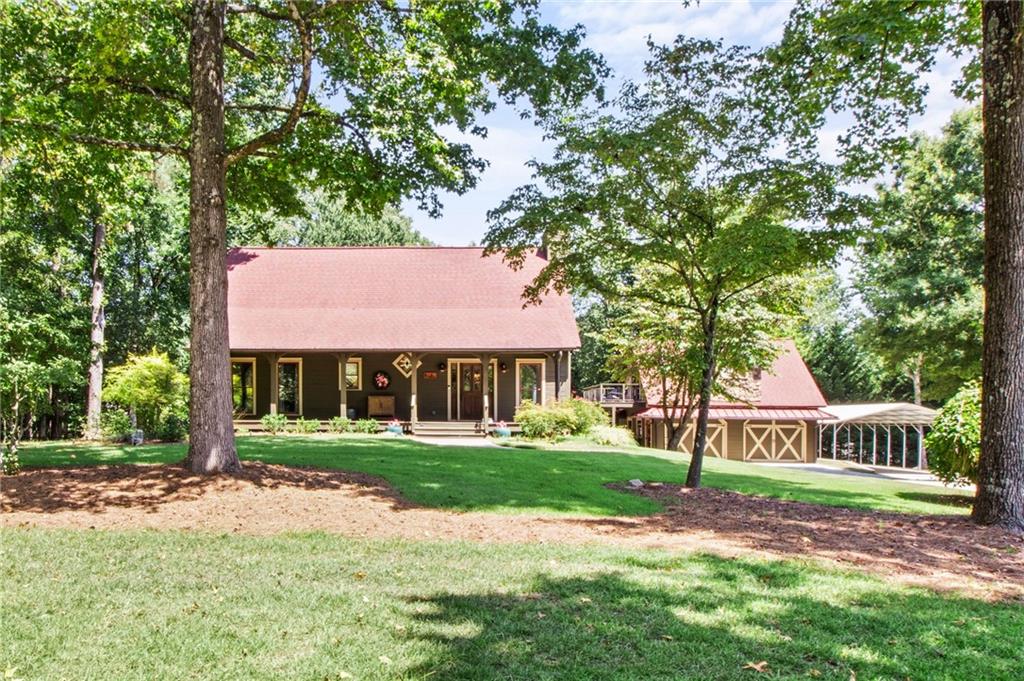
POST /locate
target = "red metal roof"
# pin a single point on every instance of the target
(398, 298)
(738, 414)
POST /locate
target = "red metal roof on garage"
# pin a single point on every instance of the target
(394, 298)
(753, 414)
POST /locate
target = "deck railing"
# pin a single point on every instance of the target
(614, 393)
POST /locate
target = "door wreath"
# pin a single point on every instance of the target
(381, 380)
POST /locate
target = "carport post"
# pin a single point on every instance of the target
(835, 432)
(903, 460)
(874, 445)
(920, 446)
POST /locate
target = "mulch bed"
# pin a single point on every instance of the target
(938, 552)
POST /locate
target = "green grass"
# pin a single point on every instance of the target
(172, 605)
(525, 480)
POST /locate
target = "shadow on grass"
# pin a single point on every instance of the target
(659, 625)
(939, 498)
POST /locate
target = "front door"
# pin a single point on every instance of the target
(470, 399)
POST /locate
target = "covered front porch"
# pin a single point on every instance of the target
(421, 389)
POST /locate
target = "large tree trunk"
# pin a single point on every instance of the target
(212, 437)
(915, 377)
(1000, 499)
(93, 403)
(700, 436)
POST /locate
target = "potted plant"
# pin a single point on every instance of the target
(394, 426)
(501, 429)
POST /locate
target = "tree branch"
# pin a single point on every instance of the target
(302, 92)
(127, 145)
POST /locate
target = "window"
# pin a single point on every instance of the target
(243, 385)
(352, 379)
(530, 381)
(289, 386)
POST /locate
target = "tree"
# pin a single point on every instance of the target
(328, 220)
(679, 200)
(664, 348)
(590, 362)
(867, 59)
(920, 267)
(230, 88)
(150, 387)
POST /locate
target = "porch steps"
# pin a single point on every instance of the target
(448, 429)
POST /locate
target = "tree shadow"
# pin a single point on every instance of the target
(705, 617)
(99, 488)
(942, 499)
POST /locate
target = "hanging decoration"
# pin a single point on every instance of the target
(381, 380)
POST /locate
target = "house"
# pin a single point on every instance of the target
(407, 333)
(777, 421)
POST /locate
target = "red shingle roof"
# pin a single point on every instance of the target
(411, 298)
(789, 384)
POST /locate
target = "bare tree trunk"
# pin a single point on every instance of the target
(1000, 499)
(212, 437)
(915, 377)
(94, 403)
(700, 436)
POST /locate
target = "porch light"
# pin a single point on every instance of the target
(441, 367)
(503, 367)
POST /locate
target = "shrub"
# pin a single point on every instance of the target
(954, 443)
(367, 426)
(306, 425)
(611, 436)
(339, 424)
(151, 387)
(115, 425)
(274, 423)
(173, 428)
(558, 419)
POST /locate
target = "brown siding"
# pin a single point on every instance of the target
(321, 399)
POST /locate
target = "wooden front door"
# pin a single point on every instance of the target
(470, 402)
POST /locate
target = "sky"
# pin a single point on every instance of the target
(618, 29)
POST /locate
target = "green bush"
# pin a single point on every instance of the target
(274, 423)
(115, 425)
(339, 424)
(152, 388)
(367, 426)
(559, 419)
(306, 425)
(954, 443)
(173, 428)
(611, 436)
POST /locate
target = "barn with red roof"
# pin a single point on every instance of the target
(407, 333)
(776, 421)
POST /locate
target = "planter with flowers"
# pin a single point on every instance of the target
(501, 429)
(394, 426)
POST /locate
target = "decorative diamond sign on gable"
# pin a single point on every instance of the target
(404, 364)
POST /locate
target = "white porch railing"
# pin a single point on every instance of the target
(614, 393)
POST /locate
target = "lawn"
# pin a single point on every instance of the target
(526, 480)
(172, 605)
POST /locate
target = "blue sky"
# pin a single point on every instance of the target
(618, 29)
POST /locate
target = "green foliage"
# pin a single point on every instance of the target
(339, 424)
(366, 426)
(151, 387)
(954, 443)
(302, 425)
(557, 419)
(919, 272)
(115, 425)
(590, 362)
(10, 462)
(328, 220)
(274, 423)
(611, 436)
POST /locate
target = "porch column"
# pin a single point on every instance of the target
(414, 412)
(485, 370)
(274, 391)
(342, 385)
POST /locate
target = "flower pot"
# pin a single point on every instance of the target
(397, 430)
(503, 432)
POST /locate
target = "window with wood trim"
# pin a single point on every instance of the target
(243, 385)
(529, 381)
(352, 376)
(289, 386)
